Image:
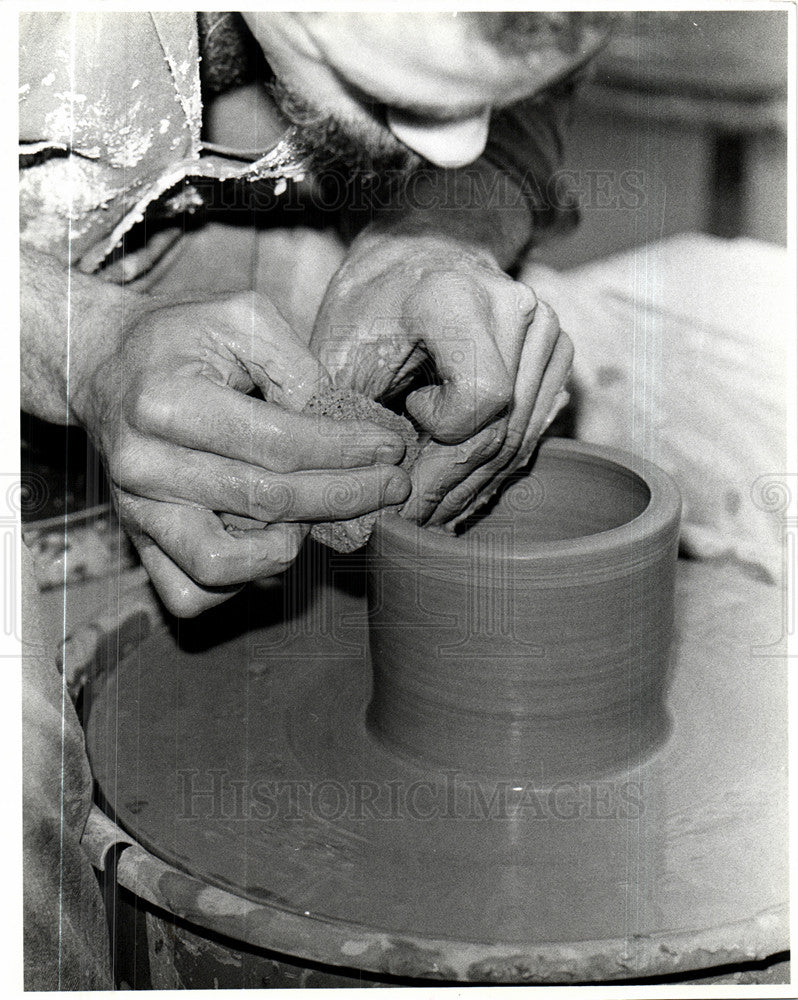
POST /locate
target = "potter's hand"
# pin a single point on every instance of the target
(168, 405)
(400, 301)
(450, 482)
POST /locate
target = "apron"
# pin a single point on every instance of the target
(110, 122)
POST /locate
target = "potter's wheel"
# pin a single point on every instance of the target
(678, 864)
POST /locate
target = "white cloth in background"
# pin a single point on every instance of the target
(681, 358)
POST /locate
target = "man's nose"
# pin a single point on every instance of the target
(446, 144)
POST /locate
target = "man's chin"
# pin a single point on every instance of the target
(358, 159)
(354, 158)
(332, 145)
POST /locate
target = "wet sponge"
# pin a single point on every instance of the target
(345, 404)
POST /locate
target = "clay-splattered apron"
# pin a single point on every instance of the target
(110, 121)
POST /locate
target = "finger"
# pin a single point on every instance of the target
(477, 386)
(201, 415)
(276, 359)
(561, 400)
(287, 538)
(472, 494)
(373, 365)
(181, 596)
(177, 475)
(543, 338)
(546, 359)
(440, 467)
(486, 481)
(546, 353)
(514, 305)
(469, 494)
(550, 396)
(197, 542)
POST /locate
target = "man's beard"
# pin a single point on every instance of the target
(330, 145)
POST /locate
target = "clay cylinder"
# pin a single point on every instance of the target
(535, 644)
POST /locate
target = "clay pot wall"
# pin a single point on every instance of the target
(534, 645)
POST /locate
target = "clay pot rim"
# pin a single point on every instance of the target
(663, 509)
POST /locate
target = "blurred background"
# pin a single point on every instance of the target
(682, 128)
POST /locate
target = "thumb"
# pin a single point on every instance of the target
(276, 359)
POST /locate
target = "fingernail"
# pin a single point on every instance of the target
(561, 400)
(500, 431)
(397, 489)
(493, 439)
(390, 454)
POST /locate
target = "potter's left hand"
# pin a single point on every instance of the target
(399, 302)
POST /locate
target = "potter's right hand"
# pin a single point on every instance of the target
(170, 408)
